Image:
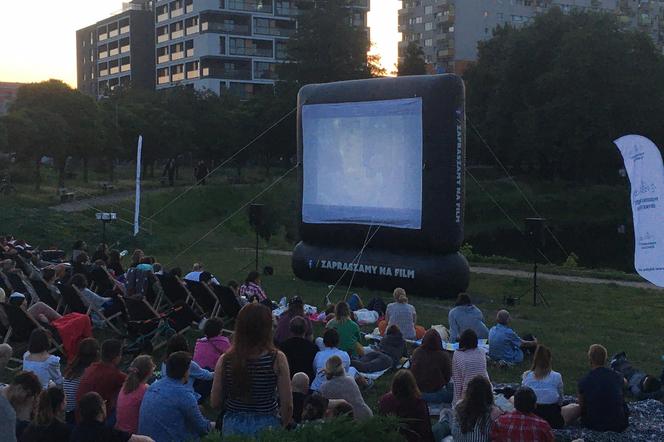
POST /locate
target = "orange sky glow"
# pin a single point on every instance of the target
(38, 36)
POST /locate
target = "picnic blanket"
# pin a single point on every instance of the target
(449, 346)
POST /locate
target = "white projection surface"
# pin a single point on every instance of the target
(363, 163)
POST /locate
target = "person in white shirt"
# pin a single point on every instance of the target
(330, 340)
(195, 274)
(548, 387)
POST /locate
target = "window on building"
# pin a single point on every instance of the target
(428, 10)
(428, 26)
(428, 42)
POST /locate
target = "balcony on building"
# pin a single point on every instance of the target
(189, 48)
(103, 69)
(125, 64)
(193, 69)
(230, 69)
(125, 81)
(177, 8)
(245, 91)
(250, 47)
(163, 34)
(113, 48)
(264, 6)
(113, 30)
(177, 72)
(188, 6)
(163, 76)
(270, 26)
(102, 52)
(124, 26)
(286, 8)
(163, 54)
(114, 67)
(162, 13)
(177, 30)
(280, 49)
(102, 33)
(265, 70)
(125, 47)
(226, 23)
(191, 25)
(177, 51)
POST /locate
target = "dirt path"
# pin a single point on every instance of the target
(519, 274)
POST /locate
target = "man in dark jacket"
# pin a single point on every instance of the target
(387, 355)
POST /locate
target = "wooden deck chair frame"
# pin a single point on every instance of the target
(214, 300)
(188, 298)
(40, 291)
(155, 315)
(10, 332)
(89, 309)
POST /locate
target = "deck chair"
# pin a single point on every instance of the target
(73, 300)
(21, 325)
(18, 285)
(205, 297)
(154, 293)
(227, 300)
(44, 294)
(100, 280)
(175, 291)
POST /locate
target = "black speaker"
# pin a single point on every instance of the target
(256, 215)
(536, 232)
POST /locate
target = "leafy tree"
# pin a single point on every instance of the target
(413, 61)
(551, 97)
(327, 46)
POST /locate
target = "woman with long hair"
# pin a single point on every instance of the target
(474, 415)
(252, 380)
(468, 361)
(404, 401)
(432, 368)
(48, 422)
(252, 290)
(88, 352)
(132, 392)
(548, 387)
(349, 331)
(295, 308)
(39, 361)
(16, 404)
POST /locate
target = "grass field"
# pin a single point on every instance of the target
(623, 319)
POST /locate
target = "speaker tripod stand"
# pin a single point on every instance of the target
(537, 290)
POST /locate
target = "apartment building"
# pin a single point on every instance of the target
(227, 44)
(449, 30)
(117, 51)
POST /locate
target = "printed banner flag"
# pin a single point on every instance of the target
(643, 163)
(137, 207)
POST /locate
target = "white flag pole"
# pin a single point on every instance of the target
(137, 208)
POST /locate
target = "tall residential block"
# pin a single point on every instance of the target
(117, 51)
(449, 30)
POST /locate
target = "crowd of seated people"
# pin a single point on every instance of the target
(274, 372)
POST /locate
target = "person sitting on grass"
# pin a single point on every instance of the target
(522, 423)
(251, 289)
(39, 361)
(169, 411)
(465, 315)
(209, 348)
(299, 350)
(340, 386)
(330, 341)
(349, 331)
(300, 386)
(468, 361)
(295, 308)
(404, 401)
(473, 417)
(402, 314)
(432, 368)
(16, 405)
(639, 384)
(92, 425)
(132, 393)
(601, 403)
(48, 423)
(88, 353)
(548, 387)
(199, 380)
(504, 344)
(387, 354)
(104, 377)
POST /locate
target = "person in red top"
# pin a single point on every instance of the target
(104, 377)
(522, 425)
(404, 401)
